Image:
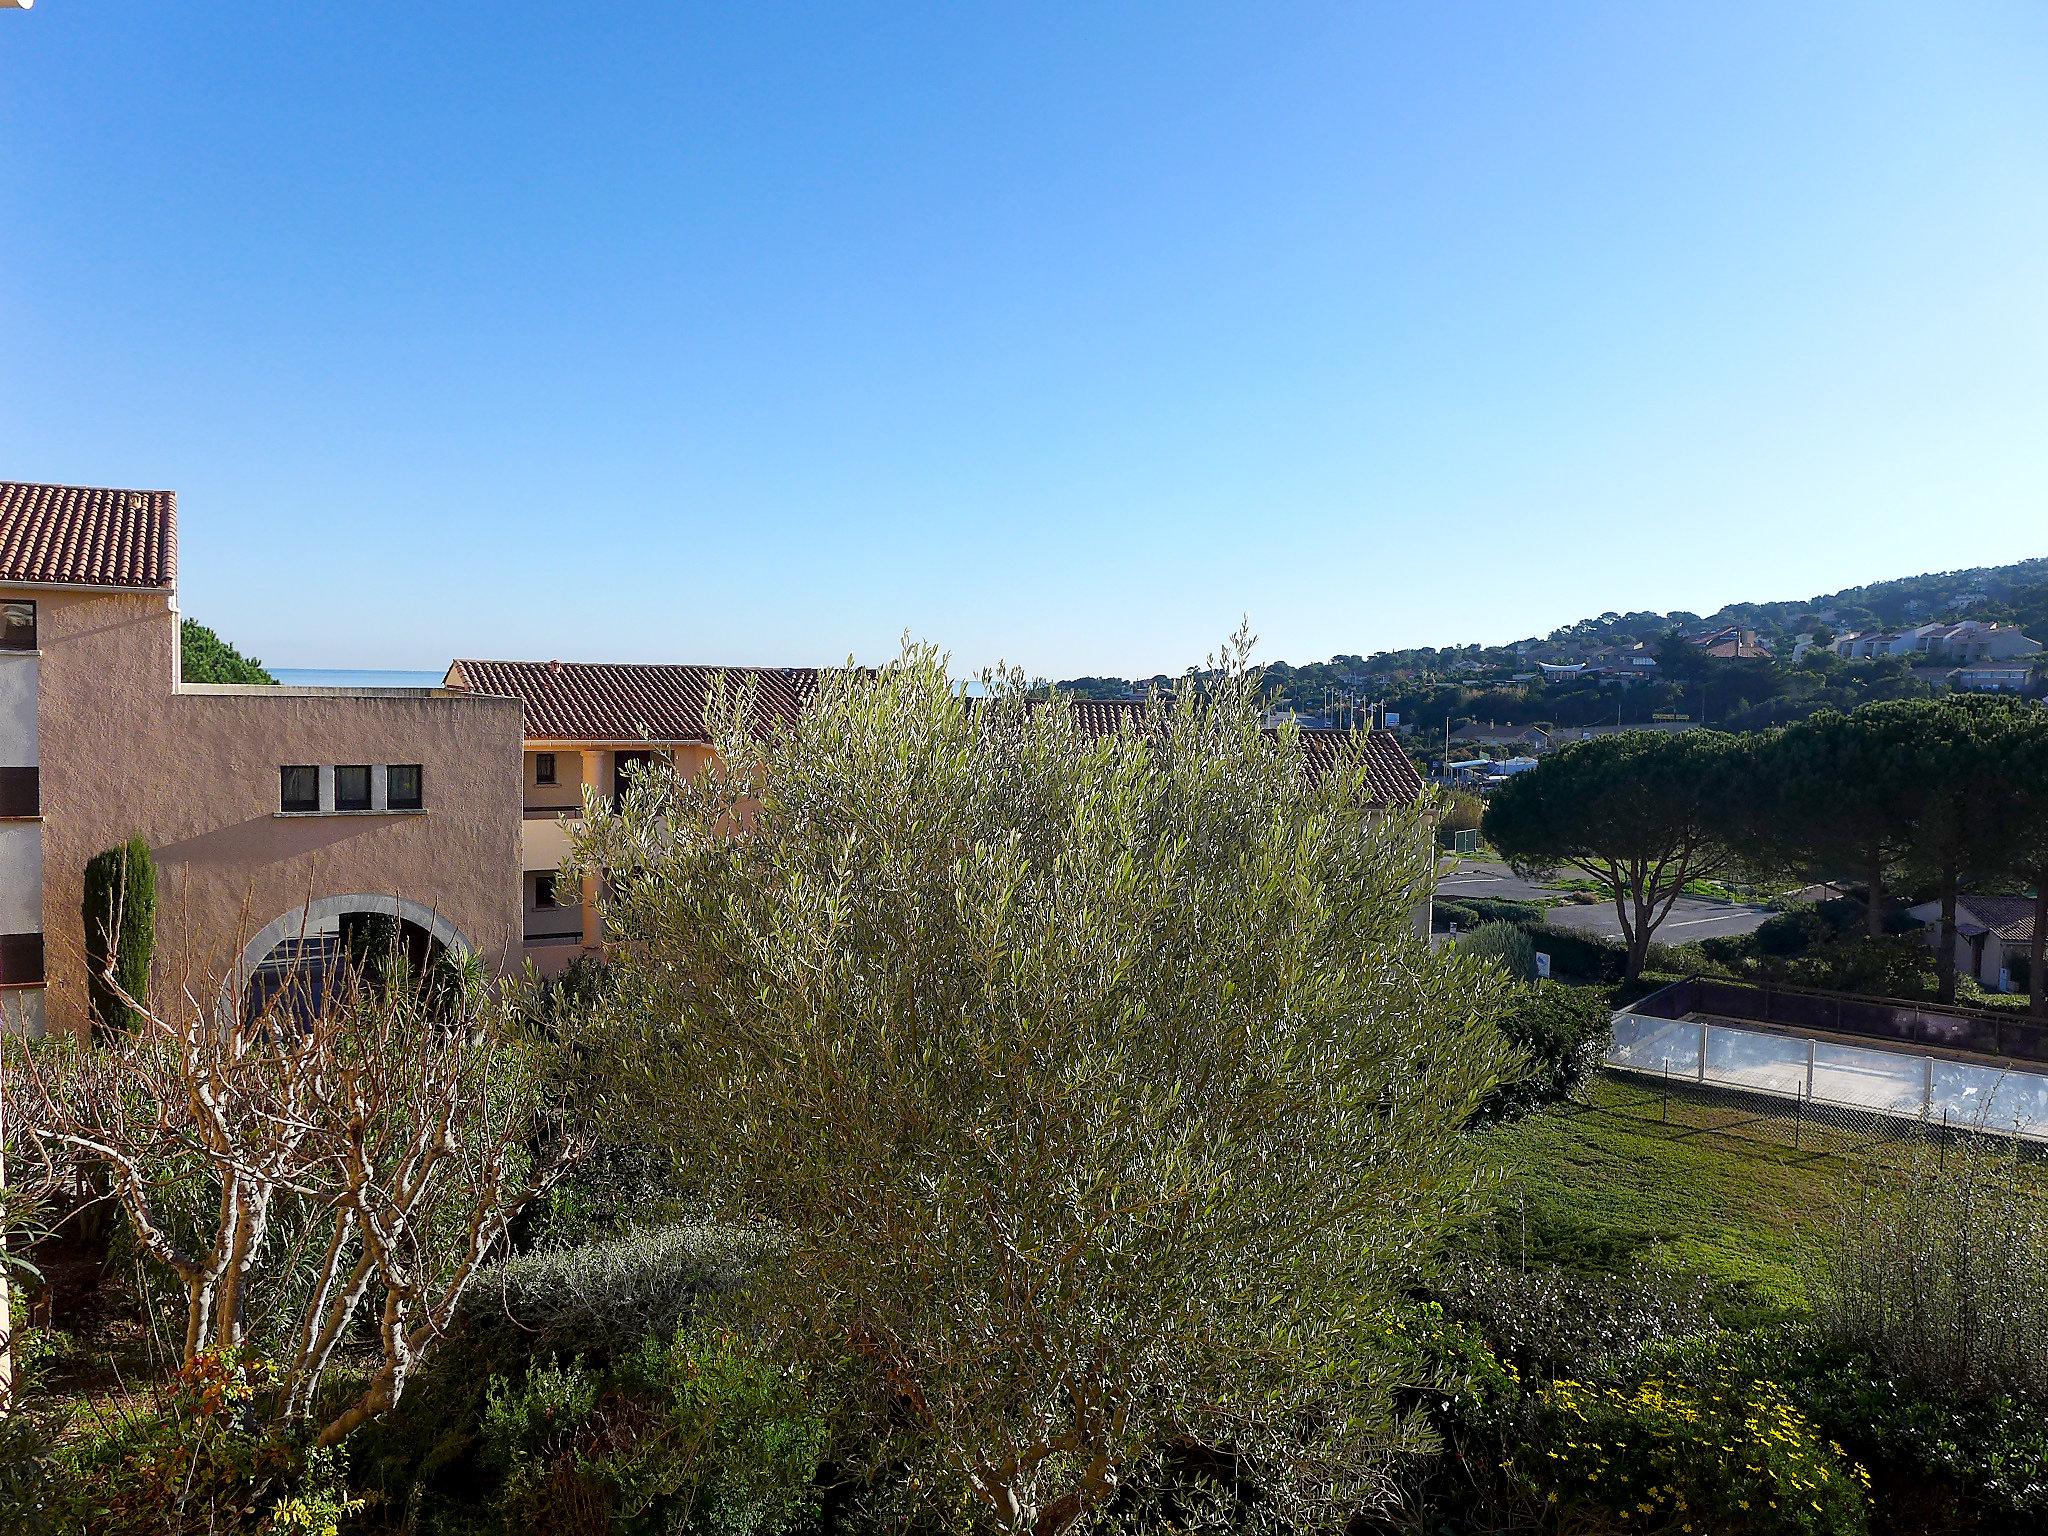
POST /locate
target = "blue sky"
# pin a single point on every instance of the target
(1062, 334)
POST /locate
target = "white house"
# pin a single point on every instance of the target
(1993, 935)
(1992, 677)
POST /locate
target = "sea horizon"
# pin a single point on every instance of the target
(356, 677)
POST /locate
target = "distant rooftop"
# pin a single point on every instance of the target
(621, 702)
(85, 536)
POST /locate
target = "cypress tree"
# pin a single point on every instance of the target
(120, 931)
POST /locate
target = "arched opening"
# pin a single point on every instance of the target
(300, 963)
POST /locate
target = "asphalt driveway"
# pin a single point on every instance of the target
(1690, 917)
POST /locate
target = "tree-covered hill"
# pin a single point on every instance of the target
(1432, 686)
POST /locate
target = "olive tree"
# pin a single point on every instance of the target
(1643, 812)
(1097, 1092)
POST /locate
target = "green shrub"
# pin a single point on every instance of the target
(596, 1303)
(1937, 1275)
(119, 909)
(1495, 909)
(1505, 945)
(1456, 914)
(1898, 966)
(1562, 1030)
(1785, 934)
(1547, 1322)
(1672, 1453)
(1580, 956)
(1986, 1461)
(695, 1433)
(183, 1462)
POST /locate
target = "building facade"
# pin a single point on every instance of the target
(276, 816)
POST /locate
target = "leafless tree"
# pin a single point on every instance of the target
(361, 1159)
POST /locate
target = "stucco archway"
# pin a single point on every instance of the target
(321, 916)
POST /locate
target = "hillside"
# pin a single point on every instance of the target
(1430, 687)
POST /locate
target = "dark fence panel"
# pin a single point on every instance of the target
(1870, 1018)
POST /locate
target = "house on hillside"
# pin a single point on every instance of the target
(1992, 677)
(1731, 644)
(1972, 641)
(1993, 936)
(282, 821)
(1868, 644)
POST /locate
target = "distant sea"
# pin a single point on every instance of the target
(354, 677)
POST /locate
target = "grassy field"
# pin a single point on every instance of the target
(1701, 1187)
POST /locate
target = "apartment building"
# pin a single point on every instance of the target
(278, 817)
(590, 724)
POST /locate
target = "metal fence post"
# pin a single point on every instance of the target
(1809, 1068)
(1703, 1050)
(1927, 1090)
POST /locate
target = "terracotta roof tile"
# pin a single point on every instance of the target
(604, 701)
(86, 536)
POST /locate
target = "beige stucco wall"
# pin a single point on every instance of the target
(196, 774)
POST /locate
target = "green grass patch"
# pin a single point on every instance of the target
(1713, 1190)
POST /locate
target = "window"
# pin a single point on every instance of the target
(402, 787)
(19, 792)
(21, 959)
(17, 626)
(544, 892)
(352, 787)
(298, 787)
(543, 767)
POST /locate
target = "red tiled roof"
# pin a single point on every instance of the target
(84, 536)
(1390, 773)
(604, 701)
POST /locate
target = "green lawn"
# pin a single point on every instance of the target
(1711, 1191)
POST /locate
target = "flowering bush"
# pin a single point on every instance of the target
(1721, 1453)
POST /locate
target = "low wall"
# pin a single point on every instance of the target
(1871, 1018)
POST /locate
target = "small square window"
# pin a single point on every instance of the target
(17, 626)
(544, 893)
(298, 787)
(543, 767)
(402, 787)
(21, 959)
(20, 793)
(352, 787)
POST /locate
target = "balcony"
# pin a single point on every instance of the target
(544, 838)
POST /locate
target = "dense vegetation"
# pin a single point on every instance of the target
(206, 658)
(1013, 1132)
(1430, 687)
(1934, 795)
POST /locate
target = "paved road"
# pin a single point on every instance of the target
(1689, 919)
